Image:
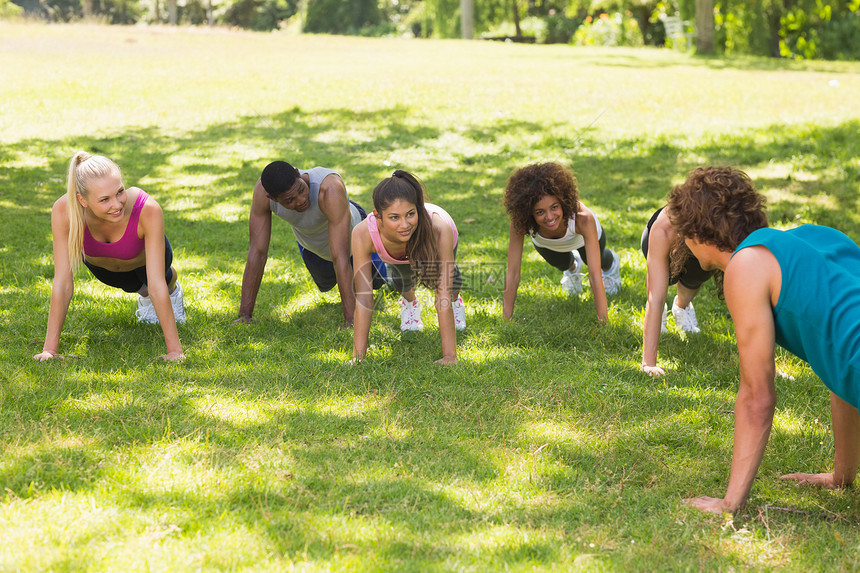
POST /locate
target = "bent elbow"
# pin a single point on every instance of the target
(760, 406)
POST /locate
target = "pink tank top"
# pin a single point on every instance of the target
(129, 246)
(377, 240)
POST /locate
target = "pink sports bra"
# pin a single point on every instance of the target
(129, 246)
(377, 240)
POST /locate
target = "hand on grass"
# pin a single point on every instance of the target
(653, 370)
(347, 324)
(826, 481)
(243, 319)
(447, 360)
(173, 357)
(705, 503)
(47, 355)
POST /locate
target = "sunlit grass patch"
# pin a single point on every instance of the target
(544, 449)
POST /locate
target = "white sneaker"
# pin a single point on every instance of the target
(410, 315)
(145, 310)
(685, 318)
(459, 313)
(571, 281)
(663, 324)
(612, 277)
(178, 305)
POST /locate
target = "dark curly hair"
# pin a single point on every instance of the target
(529, 184)
(717, 206)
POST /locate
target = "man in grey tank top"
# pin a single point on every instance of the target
(316, 205)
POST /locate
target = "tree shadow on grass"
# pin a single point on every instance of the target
(282, 384)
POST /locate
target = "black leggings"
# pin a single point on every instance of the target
(563, 261)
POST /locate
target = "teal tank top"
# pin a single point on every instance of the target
(817, 315)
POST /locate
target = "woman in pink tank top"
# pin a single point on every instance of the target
(416, 240)
(118, 234)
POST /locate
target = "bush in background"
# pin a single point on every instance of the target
(605, 30)
(341, 16)
(9, 10)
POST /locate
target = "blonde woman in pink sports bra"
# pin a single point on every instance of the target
(418, 243)
(118, 234)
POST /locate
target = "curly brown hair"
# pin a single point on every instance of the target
(718, 206)
(529, 184)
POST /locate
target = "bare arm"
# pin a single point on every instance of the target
(152, 223)
(63, 285)
(587, 227)
(260, 232)
(656, 286)
(846, 435)
(362, 248)
(335, 206)
(750, 280)
(512, 274)
(444, 302)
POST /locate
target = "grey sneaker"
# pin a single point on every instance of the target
(612, 277)
(178, 304)
(685, 318)
(571, 281)
(145, 311)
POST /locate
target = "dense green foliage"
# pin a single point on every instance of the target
(791, 28)
(544, 449)
(9, 10)
(341, 16)
(803, 29)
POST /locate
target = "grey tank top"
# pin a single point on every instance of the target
(311, 226)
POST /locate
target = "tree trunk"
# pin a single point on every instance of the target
(705, 26)
(171, 12)
(519, 32)
(467, 19)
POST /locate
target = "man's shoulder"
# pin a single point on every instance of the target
(330, 179)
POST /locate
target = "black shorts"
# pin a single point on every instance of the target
(322, 271)
(133, 280)
(693, 276)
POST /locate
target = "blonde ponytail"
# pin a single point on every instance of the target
(82, 168)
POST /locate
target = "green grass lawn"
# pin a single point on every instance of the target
(543, 449)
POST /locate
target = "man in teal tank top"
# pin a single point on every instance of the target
(799, 288)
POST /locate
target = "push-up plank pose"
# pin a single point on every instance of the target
(118, 234)
(799, 288)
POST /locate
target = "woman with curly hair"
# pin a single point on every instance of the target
(542, 201)
(798, 288)
(416, 240)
